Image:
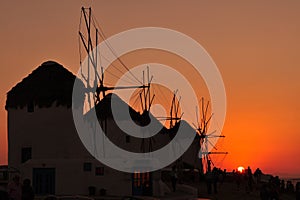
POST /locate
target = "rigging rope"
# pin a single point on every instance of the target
(102, 35)
(122, 73)
(94, 23)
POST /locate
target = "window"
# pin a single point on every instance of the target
(26, 154)
(3, 173)
(99, 171)
(30, 107)
(127, 139)
(87, 166)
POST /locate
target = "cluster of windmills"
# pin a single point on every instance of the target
(90, 34)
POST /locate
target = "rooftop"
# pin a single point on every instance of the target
(49, 83)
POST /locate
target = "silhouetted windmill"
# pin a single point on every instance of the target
(94, 81)
(146, 99)
(175, 119)
(204, 137)
(85, 39)
(174, 116)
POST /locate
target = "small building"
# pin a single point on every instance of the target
(44, 146)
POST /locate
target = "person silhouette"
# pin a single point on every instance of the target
(174, 178)
(215, 176)
(3, 193)
(27, 190)
(14, 189)
(298, 191)
(249, 178)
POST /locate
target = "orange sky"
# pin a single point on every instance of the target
(255, 45)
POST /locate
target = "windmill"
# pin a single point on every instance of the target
(174, 118)
(204, 137)
(86, 42)
(90, 34)
(146, 100)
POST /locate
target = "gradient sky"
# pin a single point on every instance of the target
(255, 44)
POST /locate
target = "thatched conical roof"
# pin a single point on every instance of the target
(49, 83)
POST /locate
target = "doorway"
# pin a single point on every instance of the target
(43, 181)
(142, 184)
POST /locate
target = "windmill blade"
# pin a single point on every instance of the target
(167, 118)
(197, 117)
(175, 92)
(86, 46)
(151, 101)
(215, 136)
(177, 106)
(211, 144)
(219, 152)
(202, 106)
(144, 91)
(148, 75)
(172, 105)
(149, 90)
(206, 123)
(148, 78)
(181, 115)
(141, 101)
(96, 62)
(174, 102)
(195, 126)
(143, 81)
(148, 94)
(206, 110)
(102, 76)
(211, 133)
(89, 45)
(83, 76)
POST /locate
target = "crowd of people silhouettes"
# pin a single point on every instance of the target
(18, 191)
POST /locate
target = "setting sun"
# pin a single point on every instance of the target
(241, 169)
